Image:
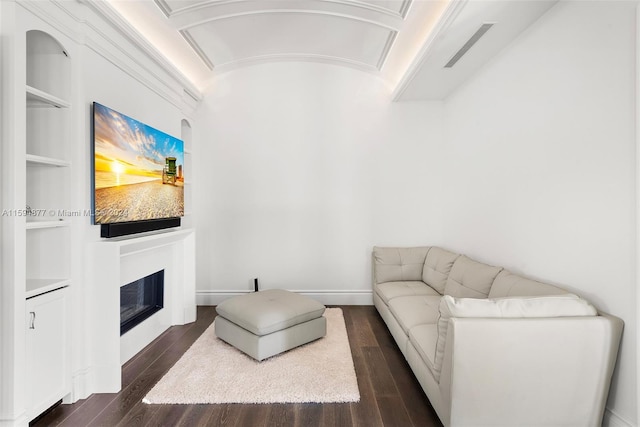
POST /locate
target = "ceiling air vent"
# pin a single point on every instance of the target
(464, 49)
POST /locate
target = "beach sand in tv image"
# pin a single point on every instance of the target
(138, 170)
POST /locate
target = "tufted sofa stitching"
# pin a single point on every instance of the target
(396, 264)
(437, 266)
(470, 278)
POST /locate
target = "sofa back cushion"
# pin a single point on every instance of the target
(437, 267)
(398, 264)
(518, 307)
(508, 284)
(470, 279)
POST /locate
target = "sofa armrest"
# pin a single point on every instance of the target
(529, 372)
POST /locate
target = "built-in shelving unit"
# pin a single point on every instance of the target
(47, 166)
(47, 229)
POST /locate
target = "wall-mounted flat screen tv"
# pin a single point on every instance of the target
(138, 170)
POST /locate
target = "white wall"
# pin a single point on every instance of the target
(301, 169)
(540, 152)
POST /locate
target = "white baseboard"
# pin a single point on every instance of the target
(611, 419)
(328, 297)
(79, 386)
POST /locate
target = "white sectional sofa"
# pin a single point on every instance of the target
(491, 348)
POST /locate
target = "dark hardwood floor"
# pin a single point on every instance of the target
(390, 394)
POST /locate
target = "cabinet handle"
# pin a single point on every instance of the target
(32, 321)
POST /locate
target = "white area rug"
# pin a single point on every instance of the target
(212, 371)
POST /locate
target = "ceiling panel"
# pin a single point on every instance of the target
(281, 35)
(394, 6)
(179, 4)
(406, 42)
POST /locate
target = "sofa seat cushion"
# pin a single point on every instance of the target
(437, 266)
(415, 310)
(424, 339)
(470, 279)
(508, 284)
(567, 305)
(390, 290)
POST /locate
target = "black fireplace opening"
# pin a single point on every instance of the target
(140, 299)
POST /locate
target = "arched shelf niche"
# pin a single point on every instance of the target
(48, 65)
(185, 135)
(48, 75)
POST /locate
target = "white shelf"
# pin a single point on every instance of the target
(49, 161)
(187, 151)
(37, 287)
(36, 224)
(39, 98)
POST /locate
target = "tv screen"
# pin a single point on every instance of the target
(138, 170)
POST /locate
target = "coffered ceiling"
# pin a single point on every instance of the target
(406, 42)
(226, 34)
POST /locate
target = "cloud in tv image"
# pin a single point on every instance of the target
(138, 170)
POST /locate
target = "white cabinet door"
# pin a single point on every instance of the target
(47, 350)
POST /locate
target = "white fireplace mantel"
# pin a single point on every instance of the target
(113, 263)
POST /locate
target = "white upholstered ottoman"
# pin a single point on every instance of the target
(265, 323)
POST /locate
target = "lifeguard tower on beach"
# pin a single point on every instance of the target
(169, 173)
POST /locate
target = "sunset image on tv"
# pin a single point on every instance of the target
(138, 170)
